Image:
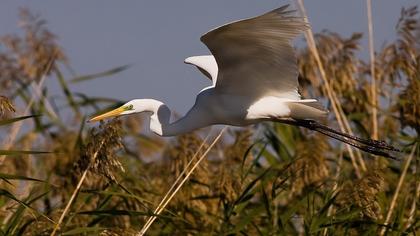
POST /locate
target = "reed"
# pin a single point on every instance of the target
(61, 176)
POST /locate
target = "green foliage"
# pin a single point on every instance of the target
(272, 179)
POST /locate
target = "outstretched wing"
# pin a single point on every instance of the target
(205, 64)
(255, 56)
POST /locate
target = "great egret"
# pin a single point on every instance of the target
(254, 73)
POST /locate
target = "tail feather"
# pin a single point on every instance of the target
(307, 109)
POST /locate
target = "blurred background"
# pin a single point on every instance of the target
(154, 37)
(62, 61)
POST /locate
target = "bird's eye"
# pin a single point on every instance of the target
(129, 107)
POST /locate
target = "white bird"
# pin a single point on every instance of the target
(253, 68)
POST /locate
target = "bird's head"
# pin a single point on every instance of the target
(133, 106)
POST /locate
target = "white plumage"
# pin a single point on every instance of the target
(253, 70)
(254, 77)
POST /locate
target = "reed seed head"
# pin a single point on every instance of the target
(363, 195)
(99, 155)
(5, 106)
(310, 167)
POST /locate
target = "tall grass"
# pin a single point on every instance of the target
(66, 178)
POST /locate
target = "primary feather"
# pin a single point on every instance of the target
(255, 56)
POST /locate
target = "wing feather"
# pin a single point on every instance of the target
(205, 64)
(255, 56)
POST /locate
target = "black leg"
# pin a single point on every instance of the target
(365, 148)
(311, 124)
(366, 145)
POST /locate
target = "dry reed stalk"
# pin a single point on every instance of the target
(372, 72)
(48, 106)
(413, 208)
(76, 190)
(331, 95)
(164, 199)
(153, 218)
(350, 131)
(14, 130)
(397, 191)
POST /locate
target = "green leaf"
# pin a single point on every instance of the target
(246, 193)
(67, 92)
(19, 152)
(85, 100)
(13, 120)
(100, 74)
(12, 224)
(255, 162)
(16, 219)
(19, 177)
(83, 230)
(124, 195)
(246, 219)
(266, 203)
(114, 213)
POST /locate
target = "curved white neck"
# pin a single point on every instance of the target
(160, 118)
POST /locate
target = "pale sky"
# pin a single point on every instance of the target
(155, 36)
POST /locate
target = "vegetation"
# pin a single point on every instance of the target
(273, 179)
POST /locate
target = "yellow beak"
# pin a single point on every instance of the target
(109, 114)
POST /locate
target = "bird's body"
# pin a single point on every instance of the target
(240, 109)
(213, 108)
(253, 68)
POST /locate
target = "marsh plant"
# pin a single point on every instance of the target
(60, 176)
